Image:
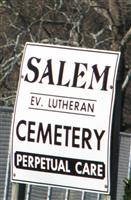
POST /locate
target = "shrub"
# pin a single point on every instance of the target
(127, 193)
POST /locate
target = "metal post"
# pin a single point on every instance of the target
(18, 191)
(83, 195)
(105, 197)
(28, 192)
(98, 196)
(67, 193)
(6, 187)
(15, 191)
(115, 136)
(129, 166)
(49, 193)
(21, 192)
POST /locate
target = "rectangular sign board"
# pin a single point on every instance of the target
(61, 128)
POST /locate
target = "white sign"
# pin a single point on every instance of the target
(63, 117)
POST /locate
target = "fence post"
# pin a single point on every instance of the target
(28, 192)
(67, 194)
(18, 191)
(22, 191)
(117, 117)
(15, 191)
(49, 193)
(83, 195)
(7, 175)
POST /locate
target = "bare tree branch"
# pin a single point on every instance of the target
(126, 81)
(103, 12)
(126, 37)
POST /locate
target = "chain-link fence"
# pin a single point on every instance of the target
(34, 192)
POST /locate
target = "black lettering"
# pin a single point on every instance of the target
(49, 72)
(33, 69)
(32, 100)
(57, 135)
(98, 138)
(67, 128)
(60, 77)
(44, 136)
(98, 77)
(31, 131)
(86, 136)
(74, 137)
(17, 130)
(76, 105)
(77, 74)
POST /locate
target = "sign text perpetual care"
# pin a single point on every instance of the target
(59, 165)
(63, 117)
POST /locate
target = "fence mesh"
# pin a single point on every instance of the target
(52, 193)
(5, 123)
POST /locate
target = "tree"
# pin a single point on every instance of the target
(127, 195)
(92, 24)
(104, 24)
